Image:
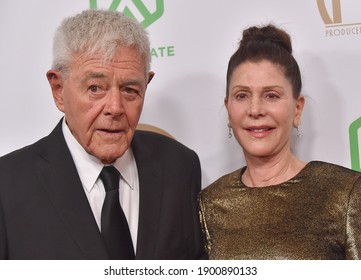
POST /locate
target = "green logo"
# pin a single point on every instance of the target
(148, 17)
(354, 144)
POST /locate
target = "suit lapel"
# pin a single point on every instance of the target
(150, 189)
(62, 184)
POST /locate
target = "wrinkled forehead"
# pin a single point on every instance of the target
(123, 56)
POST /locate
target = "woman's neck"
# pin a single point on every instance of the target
(263, 172)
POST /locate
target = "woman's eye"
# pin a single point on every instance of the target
(241, 96)
(271, 96)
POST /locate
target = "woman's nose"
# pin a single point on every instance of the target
(256, 107)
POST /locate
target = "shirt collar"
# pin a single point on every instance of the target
(127, 167)
(89, 167)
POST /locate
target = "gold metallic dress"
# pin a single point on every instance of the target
(315, 215)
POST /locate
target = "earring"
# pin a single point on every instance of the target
(298, 133)
(229, 130)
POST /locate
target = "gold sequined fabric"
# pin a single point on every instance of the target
(315, 215)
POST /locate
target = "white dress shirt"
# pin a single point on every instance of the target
(89, 168)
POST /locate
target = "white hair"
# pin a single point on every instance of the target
(101, 31)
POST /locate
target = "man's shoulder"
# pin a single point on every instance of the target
(21, 153)
(22, 163)
(150, 135)
(158, 145)
(17, 165)
(154, 139)
(29, 152)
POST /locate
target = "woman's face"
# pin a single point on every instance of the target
(262, 110)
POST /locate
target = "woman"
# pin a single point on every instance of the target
(276, 207)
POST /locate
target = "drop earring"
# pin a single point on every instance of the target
(298, 133)
(229, 130)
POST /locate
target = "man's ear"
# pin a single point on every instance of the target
(56, 84)
(150, 76)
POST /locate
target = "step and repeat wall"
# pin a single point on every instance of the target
(191, 44)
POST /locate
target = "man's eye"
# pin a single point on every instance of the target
(130, 90)
(94, 88)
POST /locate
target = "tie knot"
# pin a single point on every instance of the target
(110, 177)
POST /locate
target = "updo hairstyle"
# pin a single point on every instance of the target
(267, 43)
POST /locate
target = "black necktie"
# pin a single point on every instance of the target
(114, 225)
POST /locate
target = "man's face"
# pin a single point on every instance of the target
(102, 102)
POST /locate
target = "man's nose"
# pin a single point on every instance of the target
(114, 103)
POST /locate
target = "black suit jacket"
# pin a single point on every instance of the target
(44, 212)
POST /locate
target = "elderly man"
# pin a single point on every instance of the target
(96, 188)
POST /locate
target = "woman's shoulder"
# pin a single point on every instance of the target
(232, 179)
(331, 169)
(331, 174)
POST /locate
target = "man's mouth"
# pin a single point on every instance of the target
(110, 130)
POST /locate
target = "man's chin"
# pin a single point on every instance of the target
(108, 153)
(108, 161)
(109, 158)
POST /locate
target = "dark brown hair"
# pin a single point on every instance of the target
(267, 43)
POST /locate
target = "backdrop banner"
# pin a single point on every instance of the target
(191, 45)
